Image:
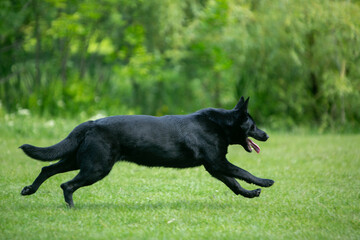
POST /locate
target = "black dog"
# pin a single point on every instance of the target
(178, 141)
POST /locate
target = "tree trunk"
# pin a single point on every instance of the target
(38, 44)
(64, 43)
(313, 80)
(217, 90)
(342, 97)
(84, 49)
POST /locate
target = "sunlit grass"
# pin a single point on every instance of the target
(316, 193)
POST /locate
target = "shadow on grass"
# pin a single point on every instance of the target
(197, 204)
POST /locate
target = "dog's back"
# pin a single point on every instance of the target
(167, 141)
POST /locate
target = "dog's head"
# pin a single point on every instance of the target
(245, 127)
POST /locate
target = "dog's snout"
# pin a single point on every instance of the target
(261, 136)
(266, 137)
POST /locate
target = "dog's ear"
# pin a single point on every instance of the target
(246, 103)
(242, 105)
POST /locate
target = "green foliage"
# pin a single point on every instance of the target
(298, 60)
(315, 195)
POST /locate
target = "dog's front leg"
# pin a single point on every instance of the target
(234, 185)
(231, 170)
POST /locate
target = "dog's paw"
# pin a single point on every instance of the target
(252, 193)
(256, 192)
(28, 190)
(267, 183)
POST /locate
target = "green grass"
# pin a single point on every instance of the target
(316, 193)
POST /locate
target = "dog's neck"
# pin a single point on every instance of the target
(227, 120)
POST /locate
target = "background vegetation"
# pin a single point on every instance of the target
(298, 60)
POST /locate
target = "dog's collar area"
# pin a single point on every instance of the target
(252, 145)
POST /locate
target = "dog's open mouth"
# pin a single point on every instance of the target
(252, 145)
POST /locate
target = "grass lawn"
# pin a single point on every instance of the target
(316, 194)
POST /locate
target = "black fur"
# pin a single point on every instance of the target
(178, 141)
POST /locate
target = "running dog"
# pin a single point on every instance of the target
(177, 141)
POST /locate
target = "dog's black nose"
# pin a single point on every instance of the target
(266, 137)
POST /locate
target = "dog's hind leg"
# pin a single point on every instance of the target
(84, 178)
(96, 163)
(234, 185)
(64, 165)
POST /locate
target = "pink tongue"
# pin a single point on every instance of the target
(254, 146)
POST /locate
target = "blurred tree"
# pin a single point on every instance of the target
(73, 57)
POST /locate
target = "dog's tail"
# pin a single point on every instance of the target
(61, 149)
